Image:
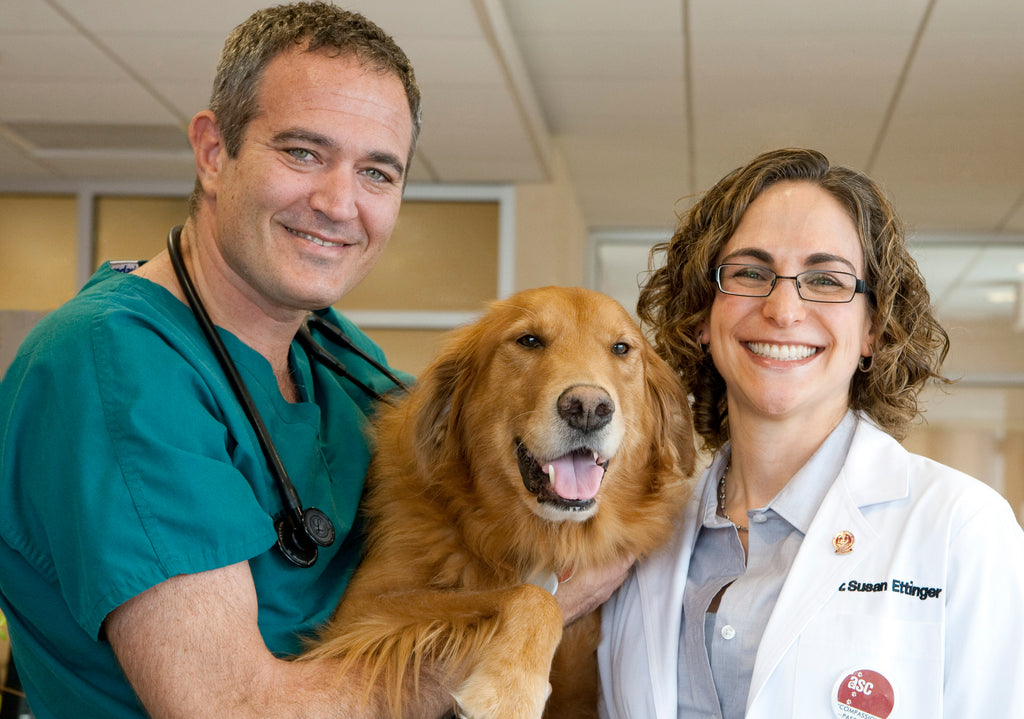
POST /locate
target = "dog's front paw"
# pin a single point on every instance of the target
(485, 696)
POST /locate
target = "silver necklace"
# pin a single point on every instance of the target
(721, 502)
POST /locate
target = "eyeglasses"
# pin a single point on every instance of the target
(812, 285)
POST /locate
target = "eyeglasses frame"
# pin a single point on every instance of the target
(860, 286)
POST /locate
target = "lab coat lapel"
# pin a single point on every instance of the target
(875, 471)
(661, 581)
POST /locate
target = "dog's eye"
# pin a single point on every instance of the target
(620, 348)
(530, 341)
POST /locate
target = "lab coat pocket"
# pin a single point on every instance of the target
(905, 653)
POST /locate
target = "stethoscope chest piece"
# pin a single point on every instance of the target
(299, 542)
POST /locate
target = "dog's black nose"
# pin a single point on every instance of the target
(585, 407)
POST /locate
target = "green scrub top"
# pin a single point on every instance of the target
(125, 459)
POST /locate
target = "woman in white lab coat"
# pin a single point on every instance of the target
(820, 569)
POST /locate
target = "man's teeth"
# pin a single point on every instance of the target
(314, 240)
(781, 352)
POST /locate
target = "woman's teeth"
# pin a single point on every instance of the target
(781, 352)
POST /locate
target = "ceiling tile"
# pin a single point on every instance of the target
(453, 60)
(185, 17)
(954, 150)
(484, 112)
(642, 181)
(160, 56)
(89, 102)
(17, 163)
(437, 18)
(593, 16)
(52, 56)
(20, 18)
(777, 74)
(181, 17)
(625, 108)
(614, 57)
(156, 166)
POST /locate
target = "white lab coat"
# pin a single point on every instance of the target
(958, 654)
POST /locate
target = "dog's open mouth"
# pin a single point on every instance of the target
(571, 481)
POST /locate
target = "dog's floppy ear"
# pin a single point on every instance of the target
(674, 443)
(436, 397)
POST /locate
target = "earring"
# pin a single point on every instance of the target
(865, 363)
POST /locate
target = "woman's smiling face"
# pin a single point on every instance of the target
(782, 356)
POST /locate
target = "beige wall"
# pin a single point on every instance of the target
(980, 347)
(38, 251)
(977, 426)
(443, 256)
(408, 350)
(135, 228)
(551, 235)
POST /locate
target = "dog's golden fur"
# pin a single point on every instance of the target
(457, 530)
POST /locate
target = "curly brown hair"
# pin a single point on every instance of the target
(307, 26)
(910, 344)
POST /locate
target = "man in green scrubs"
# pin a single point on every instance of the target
(138, 567)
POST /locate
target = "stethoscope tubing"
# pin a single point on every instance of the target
(295, 517)
(305, 338)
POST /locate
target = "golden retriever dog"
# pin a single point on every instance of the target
(545, 439)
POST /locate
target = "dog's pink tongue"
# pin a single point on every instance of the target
(576, 476)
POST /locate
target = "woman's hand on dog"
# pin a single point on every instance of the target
(585, 591)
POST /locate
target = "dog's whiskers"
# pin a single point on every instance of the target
(525, 413)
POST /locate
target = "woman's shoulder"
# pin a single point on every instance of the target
(962, 495)
(879, 459)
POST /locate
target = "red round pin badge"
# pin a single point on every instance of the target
(863, 694)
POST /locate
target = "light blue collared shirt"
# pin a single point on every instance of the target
(717, 650)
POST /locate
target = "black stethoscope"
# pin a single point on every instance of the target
(299, 531)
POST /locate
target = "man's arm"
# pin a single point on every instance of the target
(190, 646)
